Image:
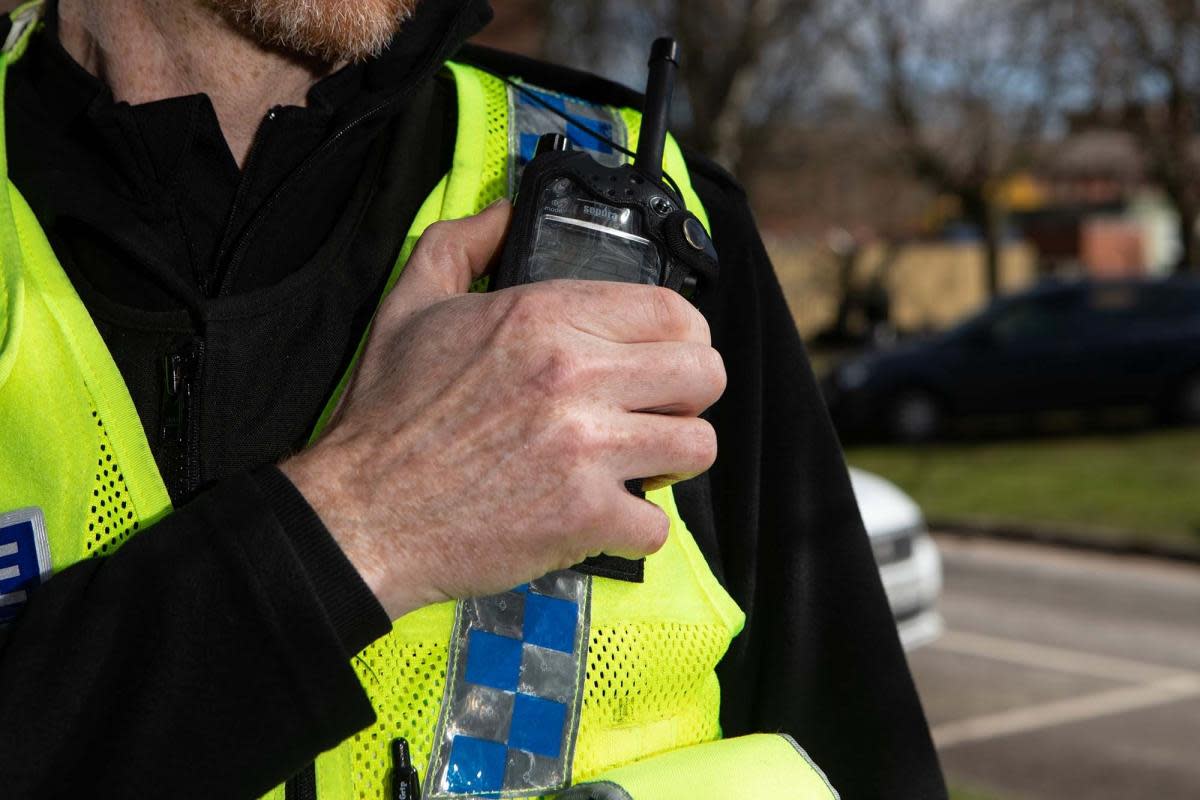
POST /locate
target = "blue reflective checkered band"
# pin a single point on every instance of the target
(529, 120)
(24, 559)
(514, 686)
(514, 681)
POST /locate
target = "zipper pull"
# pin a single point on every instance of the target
(406, 785)
(178, 371)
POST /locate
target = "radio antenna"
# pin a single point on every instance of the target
(664, 62)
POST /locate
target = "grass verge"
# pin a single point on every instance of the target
(961, 793)
(1136, 487)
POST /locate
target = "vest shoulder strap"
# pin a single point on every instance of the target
(21, 24)
(512, 115)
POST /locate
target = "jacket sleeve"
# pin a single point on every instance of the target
(820, 657)
(208, 657)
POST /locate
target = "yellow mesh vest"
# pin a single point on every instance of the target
(70, 439)
(71, 444)
(651, 684)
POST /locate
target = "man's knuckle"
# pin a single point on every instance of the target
(434, 235)
(654, 531)
(712, 366)
(701, 323)
(440, 244)
(577, 440)
(701, 360)
(700, 444)
(668, 310)
(678, 317)
(559, 371)
(525, 311)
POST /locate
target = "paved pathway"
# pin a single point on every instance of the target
(1065, 675)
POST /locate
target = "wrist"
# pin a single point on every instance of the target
(319, 475)
(352, 608)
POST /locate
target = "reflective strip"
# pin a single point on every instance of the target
(514, 688)
(13, 598)
(593, 226)
(24, 559)
(530, 118)
(23, 20)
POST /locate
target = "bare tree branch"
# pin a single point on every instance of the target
(970, 89)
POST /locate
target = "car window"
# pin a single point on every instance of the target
(1116, 301)
(1170, 301)
(1111, 309)
(1041, 318)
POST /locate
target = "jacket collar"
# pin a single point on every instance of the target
(436, 30)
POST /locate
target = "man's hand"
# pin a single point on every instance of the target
(485, 438)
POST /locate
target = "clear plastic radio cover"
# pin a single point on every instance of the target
(587, 240)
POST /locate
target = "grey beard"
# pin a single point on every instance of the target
(332, 31)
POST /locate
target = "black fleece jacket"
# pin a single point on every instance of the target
(209, 657)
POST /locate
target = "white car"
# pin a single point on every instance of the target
(908, 558)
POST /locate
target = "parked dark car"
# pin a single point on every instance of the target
(1078, 345)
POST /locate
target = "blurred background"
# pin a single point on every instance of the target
(984, 216)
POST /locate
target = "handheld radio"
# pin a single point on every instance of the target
(580, 219)
(576, 218)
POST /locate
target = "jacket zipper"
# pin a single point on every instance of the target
(178, 420)
(218, 277)
(244, 240)
(439, 55)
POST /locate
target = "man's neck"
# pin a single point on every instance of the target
(148, 50)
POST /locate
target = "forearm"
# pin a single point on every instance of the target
(199, 657)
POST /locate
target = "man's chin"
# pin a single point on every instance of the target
(332, 31)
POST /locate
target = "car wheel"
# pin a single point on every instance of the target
(1187, 400)
(915, 416)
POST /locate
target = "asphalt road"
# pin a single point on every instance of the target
(1064, 674)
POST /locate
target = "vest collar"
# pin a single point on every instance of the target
(22, 23)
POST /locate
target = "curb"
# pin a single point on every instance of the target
(1118, 543)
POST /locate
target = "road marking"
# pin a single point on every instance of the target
(1076, 709)
(1040, 656)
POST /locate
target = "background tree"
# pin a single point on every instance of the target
(752, 67)
(971, 88)
(766, 89)
(1146, 56)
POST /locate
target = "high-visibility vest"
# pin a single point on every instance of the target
(73, 453)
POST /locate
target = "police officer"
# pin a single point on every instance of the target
(258, 441)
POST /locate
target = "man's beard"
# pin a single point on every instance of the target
(330, 30)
